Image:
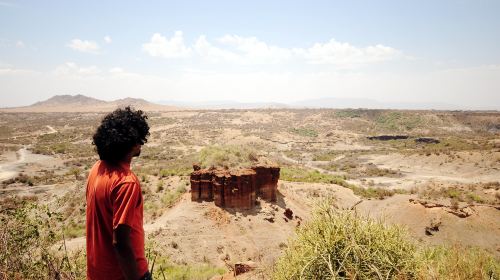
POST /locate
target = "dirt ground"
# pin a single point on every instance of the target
(453, 184)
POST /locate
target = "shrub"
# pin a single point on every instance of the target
(445, 262)
(306, 132)
(170, 197)
(294, 174)
(340, 245)
(27, 236)
(227, 156)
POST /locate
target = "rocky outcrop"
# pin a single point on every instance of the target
(237, 188)
(234, 189)
(427, 140)
(388, 137)
(267, 181)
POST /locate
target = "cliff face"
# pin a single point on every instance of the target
(234, 188)
(267, 181)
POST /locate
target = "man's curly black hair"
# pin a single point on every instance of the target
(119, 132)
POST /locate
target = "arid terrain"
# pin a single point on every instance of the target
(440, 178)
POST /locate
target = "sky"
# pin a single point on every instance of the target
(425, 52)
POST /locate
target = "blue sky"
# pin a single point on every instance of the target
(251, 51)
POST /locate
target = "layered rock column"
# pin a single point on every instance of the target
(195, 185)
(219, 181)
(237, 188)
(267, 181)
(206, 186)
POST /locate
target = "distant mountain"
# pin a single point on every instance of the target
(82, 103)
(64, 100)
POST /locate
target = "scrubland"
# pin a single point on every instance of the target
(392, 209)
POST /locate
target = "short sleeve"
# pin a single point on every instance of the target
(126, 200)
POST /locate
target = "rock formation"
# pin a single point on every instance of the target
(427, 140)
(388, 137)
(237, 188)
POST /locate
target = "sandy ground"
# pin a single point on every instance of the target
(12, 163)
(193, 232)
(418, 170)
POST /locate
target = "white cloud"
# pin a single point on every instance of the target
(20, 44)
(84, 46)
(107, 39)
(213, 54)
(160, 46)
(345, 55)
(252, 51)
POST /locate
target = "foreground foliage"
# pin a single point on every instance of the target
(341, 245)
(29, 248)
(32, 246)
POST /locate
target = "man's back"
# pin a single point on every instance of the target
(113, 198)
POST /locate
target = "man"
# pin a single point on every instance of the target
(115, 234)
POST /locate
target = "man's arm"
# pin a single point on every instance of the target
(124, 252)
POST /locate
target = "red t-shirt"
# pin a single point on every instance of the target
(113, 198)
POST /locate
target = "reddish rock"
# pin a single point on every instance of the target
(237, 188)
(219, 181)
(206, 186)
(240, 192)
(288, 213)
(267, 181)
(242, 267)
(195, 186)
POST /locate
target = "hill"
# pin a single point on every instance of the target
(82, 103)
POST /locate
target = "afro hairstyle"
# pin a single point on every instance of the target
(119, 132)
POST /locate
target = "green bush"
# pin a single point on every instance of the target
(445, 262)
(341, 245)
(28, 237)
(170, 197)
(295, 174)
(398, 121)
(227, 156)
(306, 132)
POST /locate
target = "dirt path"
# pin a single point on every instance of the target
(10, 169)
(310, 165)
(51, 130)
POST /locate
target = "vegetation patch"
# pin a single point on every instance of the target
(348, 114)
(295, 174)
(342, 245)
(470, 193)
(398, 121)
(227, 156)
(304, 131)
(28, 235)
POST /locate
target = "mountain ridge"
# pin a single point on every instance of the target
(83, 103)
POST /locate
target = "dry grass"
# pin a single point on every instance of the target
(342, 245)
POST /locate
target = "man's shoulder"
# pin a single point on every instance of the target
(116, 173)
